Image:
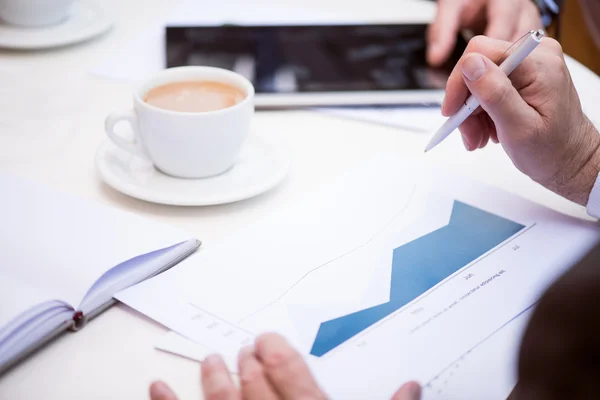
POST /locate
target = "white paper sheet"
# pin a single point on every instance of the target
(324, 252)
(172, 342)
(145, 55)
(488, 371)
(417, 120)
(60, 244)
(37, 116)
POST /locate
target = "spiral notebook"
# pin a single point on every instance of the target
(62, 258)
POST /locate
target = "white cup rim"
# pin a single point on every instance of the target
(244, 83)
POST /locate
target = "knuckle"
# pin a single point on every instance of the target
(552, 46)
(557, 62)
(554, 65)
(279, 359)
(266, 338)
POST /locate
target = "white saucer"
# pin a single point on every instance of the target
(86, 21)
(261, 166)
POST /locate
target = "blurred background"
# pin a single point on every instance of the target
(579, 32)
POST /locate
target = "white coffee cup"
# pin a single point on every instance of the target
(34, 12)
(187, 144)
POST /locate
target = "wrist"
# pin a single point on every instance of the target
(581, 168)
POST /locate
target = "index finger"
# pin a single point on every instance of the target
(441, 34)
(456, 90)
(286, 369)
(216, 380)
(253, 380)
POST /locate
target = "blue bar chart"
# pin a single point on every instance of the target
(421, 264)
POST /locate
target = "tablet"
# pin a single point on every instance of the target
(319, 65)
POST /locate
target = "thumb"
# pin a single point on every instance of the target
(494, 91)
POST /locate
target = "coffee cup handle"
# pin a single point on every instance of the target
(131, 146)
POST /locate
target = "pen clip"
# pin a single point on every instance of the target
(538, 33)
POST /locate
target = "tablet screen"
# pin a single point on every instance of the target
(300, 59)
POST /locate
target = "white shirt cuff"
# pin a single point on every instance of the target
(593, 205)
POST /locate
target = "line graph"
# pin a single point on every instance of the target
(307, 274)
(421, 264)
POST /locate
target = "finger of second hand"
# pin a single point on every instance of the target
(502, 22)
(528, 20)
(254, 382)
(285, 368)
(161, 391)
(408, 391)
(217, 383)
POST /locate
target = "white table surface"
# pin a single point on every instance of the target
(51, 123)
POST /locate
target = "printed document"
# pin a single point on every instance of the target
(393, 272)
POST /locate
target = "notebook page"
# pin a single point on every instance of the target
(61, 243)
(16, 298)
